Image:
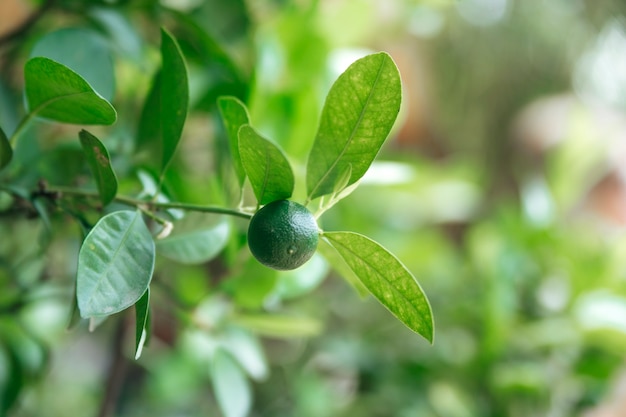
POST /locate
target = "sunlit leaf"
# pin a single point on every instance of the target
(359, 112)
(232, 388)
(100, 164)
(340, 265)
(247, 350)
(387, 279)
(142, 322)
(174, 95)
(267, 167)
(6, 152)
(84, 51)
(234, 115)
(279, 326)
(115, 264)
(54, 91)
(197, 238)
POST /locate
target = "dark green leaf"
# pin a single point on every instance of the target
(55, 92)
(359, 112)
(142, 322)
(197, 238)
(100, 165)
(234, 115)
(149, 130)
(266, 166)
(6, 152)
(84, 51)
(232, 388)
(174, 95)
(387, 279)
(115, 264)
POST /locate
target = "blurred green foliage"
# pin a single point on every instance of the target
(501, 189)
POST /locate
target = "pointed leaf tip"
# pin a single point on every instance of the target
(387, 279)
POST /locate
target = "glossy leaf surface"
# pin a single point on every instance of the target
(387, 279)
(115, 264)
(359, 112)
(197, 238)
(234, 115)
(267, 167)
(100, 164)
(174, 95)
(53, 91)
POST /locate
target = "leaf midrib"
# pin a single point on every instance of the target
(395, 290)
(351, 137)
(125, 236)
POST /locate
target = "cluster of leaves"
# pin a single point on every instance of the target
(117, 256)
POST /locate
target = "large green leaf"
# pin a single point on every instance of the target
(387, 279)
(142, 322)
(196, 238)
(267, 167)
(232, 388)
(54, 91)
(234, 115)
(115, 264)
(359, 112)
(84, 51)
(6, 152)
(100, 165)
(174, 95)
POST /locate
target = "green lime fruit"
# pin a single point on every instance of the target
(283, 235)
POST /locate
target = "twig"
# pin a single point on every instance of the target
(117, 373)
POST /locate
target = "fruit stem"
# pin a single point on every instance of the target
(135, 202)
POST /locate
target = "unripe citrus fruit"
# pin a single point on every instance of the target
(283, 235)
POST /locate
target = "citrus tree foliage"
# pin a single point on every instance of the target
(130, 219)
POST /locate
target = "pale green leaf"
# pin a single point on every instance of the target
(100, 164)
(174, 95)
(142, 322)
(387, 279)
(6, 152)
(232, 388)
(197, 238)
(339, 264)
(234, 115)
(279, 326)
(359, 112)
(267, 167)
(115, 264)
(53, 91)
(247, 350)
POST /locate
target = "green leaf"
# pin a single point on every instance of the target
(267, 167)
(232, 388)
(174, 95)
(53, 91)
(234, 115)
(359, 112)
(115, 264)
(149, 129)
(100, 165)
(339, 264)
(279, 326)
(387, 279)
(142, 322)
(197, 238)
(247, 350)
(84, 51)
(6, 152)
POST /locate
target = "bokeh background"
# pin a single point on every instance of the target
(502, 188)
